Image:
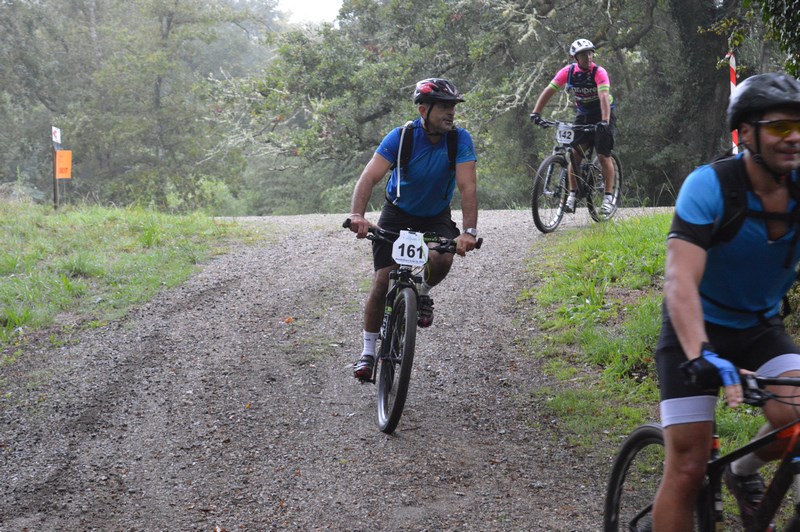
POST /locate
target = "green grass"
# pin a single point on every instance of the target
(94, 262)
(596, 294)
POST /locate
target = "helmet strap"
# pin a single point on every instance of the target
(425, 123)
(757, 157)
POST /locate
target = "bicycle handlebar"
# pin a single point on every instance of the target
(753, 387)
(444, 245)
(545, 123)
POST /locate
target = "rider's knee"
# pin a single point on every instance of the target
(380, 281)
(686, 470)
(440, 261)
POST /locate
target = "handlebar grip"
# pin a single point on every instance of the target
(346, 223)
(479, 243)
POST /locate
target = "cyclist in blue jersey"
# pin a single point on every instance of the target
(417, 198)
(723, 298)
(591, 88)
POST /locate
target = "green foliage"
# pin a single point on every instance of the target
(782, 17)
(220, 106)
(502, 54)
(133, 106)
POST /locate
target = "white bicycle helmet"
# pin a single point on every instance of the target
(581, 45)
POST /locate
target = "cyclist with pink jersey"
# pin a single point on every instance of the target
(591, 89)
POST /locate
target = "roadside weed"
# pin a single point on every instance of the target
(94, 261)
(598, 295)
(603, 311)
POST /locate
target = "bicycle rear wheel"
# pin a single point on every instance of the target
(549, 193)
(396, 360)
(596, 189)
(634, 480)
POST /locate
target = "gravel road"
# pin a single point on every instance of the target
(228, 404)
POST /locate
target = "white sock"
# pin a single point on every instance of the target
(609, 197)
(747, 465)
(370, 340)
(424, 288)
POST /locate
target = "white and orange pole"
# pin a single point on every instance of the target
(732, 62)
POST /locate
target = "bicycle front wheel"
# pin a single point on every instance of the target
(396, 360)
(549, 193)
(596, 189)
(634, 480)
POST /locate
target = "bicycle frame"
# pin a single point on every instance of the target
(630, 489)
(788, 470)
(566, 150)
(399, 278)
(550, 191)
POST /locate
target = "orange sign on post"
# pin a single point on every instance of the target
(63, 164)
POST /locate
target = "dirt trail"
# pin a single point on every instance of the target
(228, 403)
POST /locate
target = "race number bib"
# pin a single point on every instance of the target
(565, 135)
(410, 249)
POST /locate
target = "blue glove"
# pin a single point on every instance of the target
(709, 371)
(727, 371)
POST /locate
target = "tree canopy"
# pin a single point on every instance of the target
(782, 17)
(224, 106)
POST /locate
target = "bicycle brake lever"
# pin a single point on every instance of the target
(756, 397)
(752, 393)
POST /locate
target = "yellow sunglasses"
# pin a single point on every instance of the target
(780, 128)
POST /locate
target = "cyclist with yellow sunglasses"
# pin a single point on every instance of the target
(723, 299)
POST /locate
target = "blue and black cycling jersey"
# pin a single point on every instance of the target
(426, 189)
(745, 279)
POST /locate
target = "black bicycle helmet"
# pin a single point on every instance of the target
(760, 93)
(432, 90)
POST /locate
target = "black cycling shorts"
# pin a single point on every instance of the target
(748, 348)
(603, 142)
(395, 219)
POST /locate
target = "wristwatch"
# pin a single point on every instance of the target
(472, 231)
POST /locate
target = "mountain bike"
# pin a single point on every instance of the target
(638, 467)
(551, 182)
(398, 333)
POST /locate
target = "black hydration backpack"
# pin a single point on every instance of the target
(733, 181)
(407, 147)
(590, 77)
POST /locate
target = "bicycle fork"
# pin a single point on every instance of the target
(388, 309)
(384, 333)
(394, 275)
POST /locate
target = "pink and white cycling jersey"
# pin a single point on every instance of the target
(585, 87)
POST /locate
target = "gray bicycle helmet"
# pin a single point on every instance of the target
(580, 45)
(760, 93)
(431, 90)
